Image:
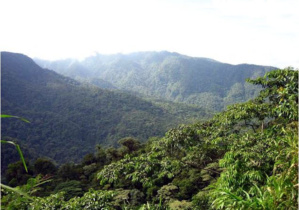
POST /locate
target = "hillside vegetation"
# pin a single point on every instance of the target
(245, 157)
(169, 76)
(69, 118)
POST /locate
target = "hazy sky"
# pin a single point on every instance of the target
(232, 31)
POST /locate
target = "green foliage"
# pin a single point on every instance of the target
(44, 166)
(69, 118)
(249, 140)
(188, 182)
(166, 158)
(19, 151)
(54, 201)
(20, 197)
(130, 144)
(261, 168)
(101, 156)
(164, 75)
(167, 193)
(69, 171)
(13, 143)
(16, 174)
(177, 205)
(201, 200)
(90, 200)
(245, 157)
(71, 188)
(281, 88)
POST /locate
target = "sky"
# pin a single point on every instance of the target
(263, 32)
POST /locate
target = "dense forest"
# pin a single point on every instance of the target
(68, 118)
(245, 157)
(164, 75)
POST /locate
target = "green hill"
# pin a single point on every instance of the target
(245, 157)
(69, 118)
(169, 76)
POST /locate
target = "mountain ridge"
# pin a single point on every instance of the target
(170, 76)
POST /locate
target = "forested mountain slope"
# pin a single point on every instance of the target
(69, 119)
(169, 76)
(245, 157)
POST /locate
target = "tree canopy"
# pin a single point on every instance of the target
(245, 157)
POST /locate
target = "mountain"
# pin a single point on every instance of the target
(72, 68)
(170, 76)
(69, 118)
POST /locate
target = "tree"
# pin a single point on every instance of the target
(260, 166)
(44, 166)
(16, 174)
(131, 144)
(70, 171)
